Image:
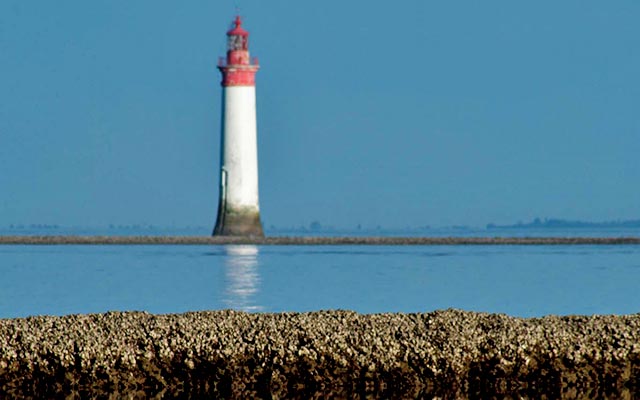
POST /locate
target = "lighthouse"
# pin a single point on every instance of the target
(238, 206)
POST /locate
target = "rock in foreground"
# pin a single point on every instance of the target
(338, 354)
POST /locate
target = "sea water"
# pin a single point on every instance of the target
(517, 280)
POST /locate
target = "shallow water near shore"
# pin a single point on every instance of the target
(517, 280)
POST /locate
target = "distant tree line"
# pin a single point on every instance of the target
(562, 223)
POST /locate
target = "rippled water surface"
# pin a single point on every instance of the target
(517, 280)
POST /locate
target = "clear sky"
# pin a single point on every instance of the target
(376, 113)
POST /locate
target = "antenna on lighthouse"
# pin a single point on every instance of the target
(236, 6)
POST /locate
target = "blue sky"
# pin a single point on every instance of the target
(372, 113)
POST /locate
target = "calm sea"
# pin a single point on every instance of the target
(516, 280)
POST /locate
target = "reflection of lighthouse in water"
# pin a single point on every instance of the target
(242, 279)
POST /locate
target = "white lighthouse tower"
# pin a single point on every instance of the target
(238, 208)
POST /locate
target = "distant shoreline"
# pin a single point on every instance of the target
(311, 241)
(555, 223)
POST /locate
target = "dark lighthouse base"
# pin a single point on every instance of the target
(238, 222)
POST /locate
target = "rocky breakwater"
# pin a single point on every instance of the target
(448, 354)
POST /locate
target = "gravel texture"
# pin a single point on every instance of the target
(327, 354)
(306, 240)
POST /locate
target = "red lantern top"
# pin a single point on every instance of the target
(237, 68)
(237, 30)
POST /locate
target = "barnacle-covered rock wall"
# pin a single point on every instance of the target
(447, 354)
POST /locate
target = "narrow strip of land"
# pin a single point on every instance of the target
(312, 241)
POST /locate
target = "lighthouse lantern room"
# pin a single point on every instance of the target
(238, 206)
